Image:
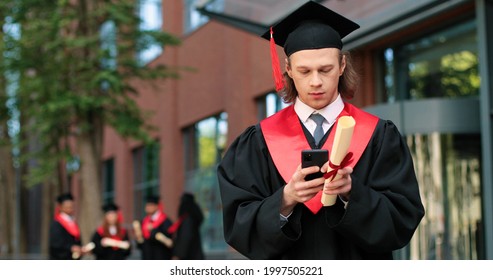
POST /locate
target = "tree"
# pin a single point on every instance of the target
(7, 173)
(70, 87)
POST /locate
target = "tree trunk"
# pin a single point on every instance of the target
(7, 199)
(90, 206)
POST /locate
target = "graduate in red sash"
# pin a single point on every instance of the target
(64, 231)
(270, 210)
(155, 223)
(111, 238)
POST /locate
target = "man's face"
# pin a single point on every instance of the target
(67, 207)
(151, 208)
(316, 75)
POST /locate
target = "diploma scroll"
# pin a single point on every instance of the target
(340, 147)
(164, 239)
(138, 231)
(85, 249)
(110, 242)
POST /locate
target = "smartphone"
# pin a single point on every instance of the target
(311, 158)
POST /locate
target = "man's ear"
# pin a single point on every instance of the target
(288, 67)
(343, 65)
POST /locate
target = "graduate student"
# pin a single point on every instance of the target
(64, 242)
(187, 239)
(155, 242)
(270, 210)
(111, 240)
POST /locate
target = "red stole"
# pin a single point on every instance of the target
(147, 220)
(118, 236)
(283, 130)
(175, 226)
(70, 226)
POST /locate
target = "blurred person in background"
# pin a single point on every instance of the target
(187, 240)
(64, 240)
(153, 238)
(111, 240)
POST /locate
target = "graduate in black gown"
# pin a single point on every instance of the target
(64, 242)
(187, 240)
(270, 210)
(111, 239)
(155, 236)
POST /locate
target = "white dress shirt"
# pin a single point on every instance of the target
(329, 112)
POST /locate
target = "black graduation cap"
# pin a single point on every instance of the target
(153, 199)
(311, 26)
(110, 207)
(63, 197)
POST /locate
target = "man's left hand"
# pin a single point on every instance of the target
(340, 186)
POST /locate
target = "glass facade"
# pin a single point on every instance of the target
(448, 168)
(150, 13)
(205, 144)
(107, 36)
(108, 176)
(146, 175)
(269, 104)
(193, 19)
(442, 65)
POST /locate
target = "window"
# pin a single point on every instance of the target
(146, 175)
(151, 17)
(441, 65)
(449, 174)
(269, 104)
(108, 176)
(205, 143)
(193, 18)
(107, 35)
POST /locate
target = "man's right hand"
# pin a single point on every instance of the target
(300, 191)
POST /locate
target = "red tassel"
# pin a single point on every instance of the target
(276, 66)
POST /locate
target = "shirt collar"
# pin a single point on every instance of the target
(66, 217)
(113, 230)
(155, 215)
(330, 112)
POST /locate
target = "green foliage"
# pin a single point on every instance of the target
(68, 83)
(453, 75)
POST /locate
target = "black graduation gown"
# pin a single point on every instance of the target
(384, 210)
(109, 253)
(153, 249)
(188, 244)
(61, 242)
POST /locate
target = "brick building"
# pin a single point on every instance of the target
(424, 64)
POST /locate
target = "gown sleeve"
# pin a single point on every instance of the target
(251, 192)
(98, 249)
(385, 205)
(183, 239)
(60, 243)
(127, 252)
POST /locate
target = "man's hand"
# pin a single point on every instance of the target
(76, 249)
(340, 186)
(300, 191)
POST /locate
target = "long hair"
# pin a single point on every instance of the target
(189, 206)
(348, 81)
(106, 229)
